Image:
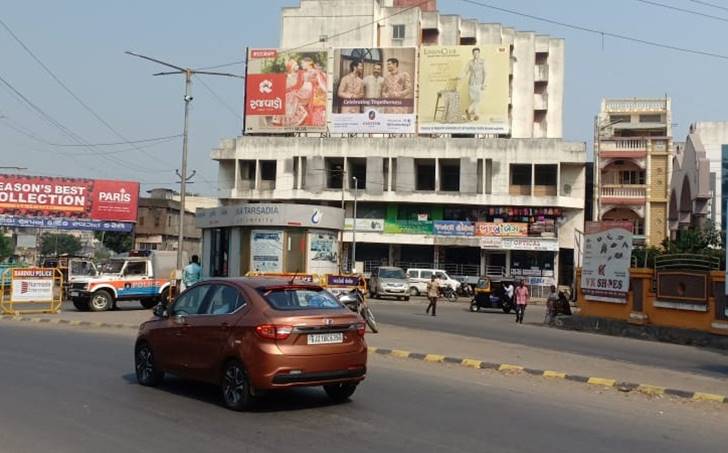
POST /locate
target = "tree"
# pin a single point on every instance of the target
(118, 242)
(59, 244)
(6, 247)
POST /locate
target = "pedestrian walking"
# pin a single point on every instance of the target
(433, 292)
(551, 302)
(509, 292)
(192, 272)
(521, 301)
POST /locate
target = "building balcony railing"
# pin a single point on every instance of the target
(623, 148)
(624, 194)
(541, 73)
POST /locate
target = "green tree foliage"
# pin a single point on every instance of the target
(118, 242)
(706, 241)
(52, 244)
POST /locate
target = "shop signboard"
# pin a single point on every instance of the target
(408, 227)
(501, 229)
(463, 89)
(323, 254)
(529, 244)
(270, 214)
(607, 259)
(364, 225)
(32, 285)
(266, 251)
(374, 91)
(286, 91)
(65, 224)
(72, 198)
(453, 228)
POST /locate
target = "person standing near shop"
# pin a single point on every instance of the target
(521, 301)
(551, 303)
(433, 292)
(192, 272)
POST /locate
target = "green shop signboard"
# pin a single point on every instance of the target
(408, 227)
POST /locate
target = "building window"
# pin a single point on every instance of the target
(141, 220)
(398, 32)
(358, 170)
(545, 179)
(268, 170)
(424, 174)
(157, 221)
(169, 220)
(650, 118)
(334, 168)
(520, 179)
(632, 177)
(620, 118)
(449, 175)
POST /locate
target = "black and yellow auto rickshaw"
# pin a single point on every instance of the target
(490, 293)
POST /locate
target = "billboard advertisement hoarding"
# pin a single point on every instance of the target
(464, 89)
(286, 91)
(92, 199)
(607, 259)
(453, 228)
(32, 285)
(502, 229)
(374, 90)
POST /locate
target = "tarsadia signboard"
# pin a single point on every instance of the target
(374, 91)
(32, 285)
(286, 91)
(464, 89)
(607, 259)
(93, 199)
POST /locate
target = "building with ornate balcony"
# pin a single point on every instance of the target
(633, 164)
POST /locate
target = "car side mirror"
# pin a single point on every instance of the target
(160, 311)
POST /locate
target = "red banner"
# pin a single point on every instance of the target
(94, 199)
(265, 94)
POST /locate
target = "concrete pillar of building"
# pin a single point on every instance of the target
(257, 174)
(556, 269)
(437, 175)
(468, 175)
(234, 252)
(206, 252)
(375, 176)
(315, 175)
(508, 262)
(436, 255)
(483, 262)
(405, 182)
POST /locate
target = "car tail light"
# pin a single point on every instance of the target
(361, 329)
(273, 332)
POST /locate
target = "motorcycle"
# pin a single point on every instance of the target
(448, 293)
(355, 301)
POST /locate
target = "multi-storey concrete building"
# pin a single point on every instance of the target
(633, 164)
(469, 204)
(537, 61)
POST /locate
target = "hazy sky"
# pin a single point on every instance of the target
(83, 43)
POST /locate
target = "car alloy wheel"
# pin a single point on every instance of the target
(146, 370)
(236, 388)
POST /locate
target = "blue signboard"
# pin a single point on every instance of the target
(453, 228)
(65, 224)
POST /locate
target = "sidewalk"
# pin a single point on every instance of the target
(429, 342)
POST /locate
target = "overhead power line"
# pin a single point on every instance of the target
(711, 5)
(601, 33)
(336, 35)
(683, 10)
(220, 100)
(72, 94)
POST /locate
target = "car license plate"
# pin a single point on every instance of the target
(326, 338)
(74, 294)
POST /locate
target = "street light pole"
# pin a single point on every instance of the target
(188, 72)
(353, 231)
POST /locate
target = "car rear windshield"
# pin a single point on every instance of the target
(300, 299)
(392, 273)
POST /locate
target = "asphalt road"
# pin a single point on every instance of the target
(455, 318)
(66, 390)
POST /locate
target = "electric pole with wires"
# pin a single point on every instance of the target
(182, 172)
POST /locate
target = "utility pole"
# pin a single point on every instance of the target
(188, 73)
(353, 230)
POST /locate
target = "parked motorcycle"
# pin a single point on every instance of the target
(355, 301)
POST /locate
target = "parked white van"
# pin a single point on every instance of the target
(418, 279)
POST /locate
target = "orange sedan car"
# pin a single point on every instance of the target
(250, 335)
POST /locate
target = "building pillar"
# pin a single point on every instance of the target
(483, 262)
(436, 256)
(508, 262)
(556, 269)
(257, 174)
(437, 175)
(234, 252)
(390, 255)
(206, 252)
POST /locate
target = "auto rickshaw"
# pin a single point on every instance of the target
(491, 293)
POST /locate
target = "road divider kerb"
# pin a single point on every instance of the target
(647, 389)
(506, 368)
